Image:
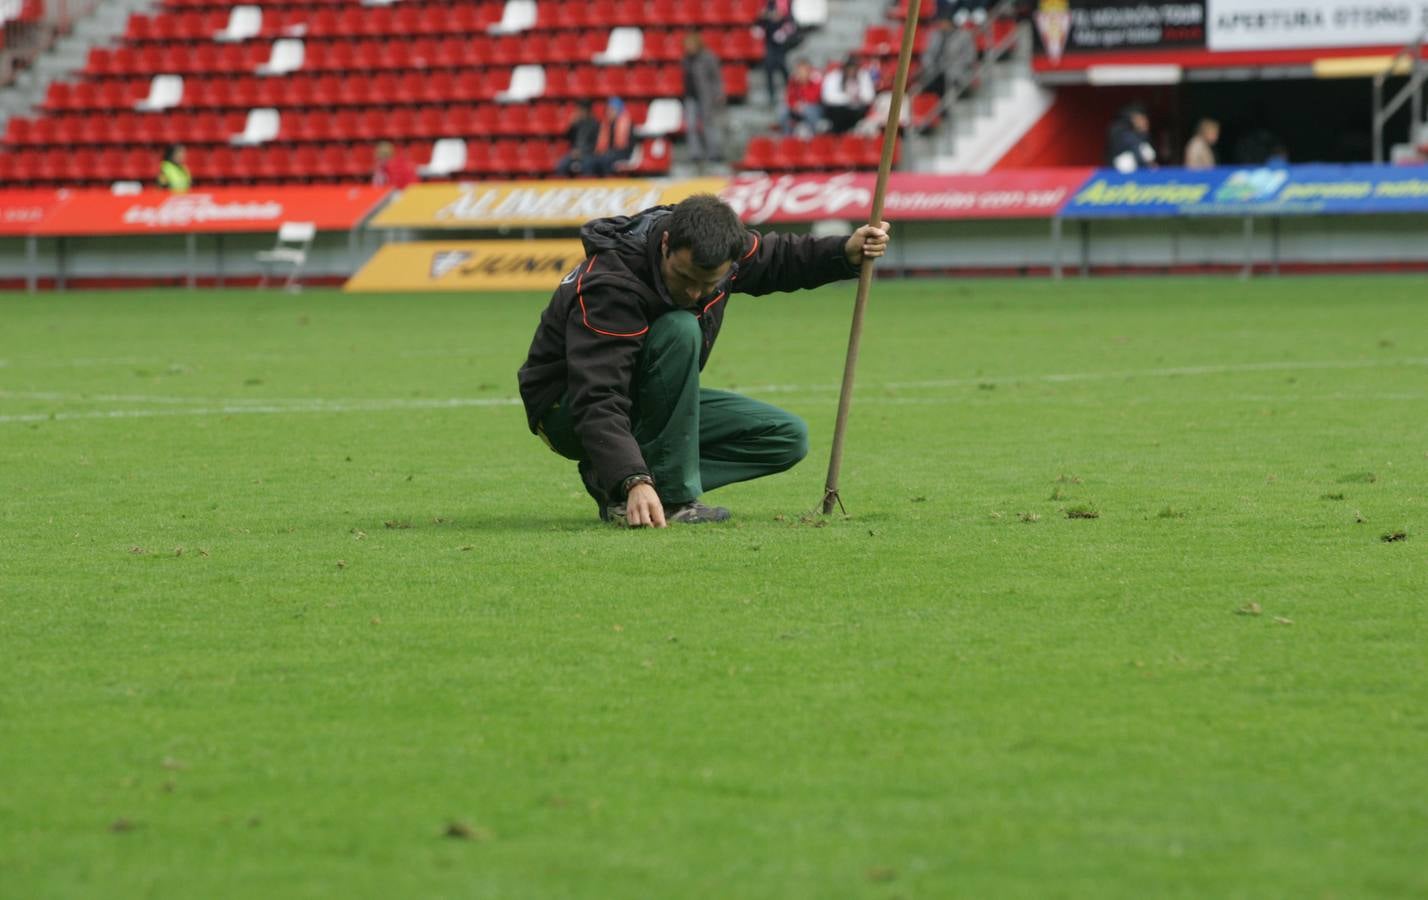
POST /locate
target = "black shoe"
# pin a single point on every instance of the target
(695, 513)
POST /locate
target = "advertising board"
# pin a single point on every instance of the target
(1281, 191)
(469, 266)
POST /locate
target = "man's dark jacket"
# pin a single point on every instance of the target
(590, 335)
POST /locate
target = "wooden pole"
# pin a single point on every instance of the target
(865, 275)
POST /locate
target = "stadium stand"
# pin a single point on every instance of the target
(824, 152)
(289, 91)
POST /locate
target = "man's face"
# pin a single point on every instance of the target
(1211, 132)
(1140, 122)
(686, 282)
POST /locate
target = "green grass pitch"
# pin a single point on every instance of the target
(1131, 603)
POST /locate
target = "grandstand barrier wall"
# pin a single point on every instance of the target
(1044, 221)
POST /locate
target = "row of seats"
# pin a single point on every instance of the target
(374, 123)
(304, 90)
(884, 41)
(310, 163)
(730, 45)
(428, 19)
(825, 152)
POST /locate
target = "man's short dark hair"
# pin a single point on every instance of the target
(709, 228)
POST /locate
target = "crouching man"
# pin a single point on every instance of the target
(612, 379)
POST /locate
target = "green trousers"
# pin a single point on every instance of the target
(693, 439)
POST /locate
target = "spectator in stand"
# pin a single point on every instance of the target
(780, 32)
(704, 101)
(173, 174)
(394, 170)
(1128, 146)
(583, 132)
(847, 93)
(803, 112)
(949, 54)
(1200, 152)
(615, 140)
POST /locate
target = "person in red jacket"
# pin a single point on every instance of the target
(803, 111)
(394, 169)
(612, 377)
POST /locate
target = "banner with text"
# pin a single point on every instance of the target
(21, 212)
(1291, 190)
(1292, 24)
(912, 196)
(1101, 26)
(254, 209)
(469, 266)
(550, 204)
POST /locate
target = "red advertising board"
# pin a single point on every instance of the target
(1021, 194)
(22, 211)
(257, 209)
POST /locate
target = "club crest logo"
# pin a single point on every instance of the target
(1053, 23)
(443, 262)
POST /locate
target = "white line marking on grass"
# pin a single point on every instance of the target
(268, 406)
(318, 406)
(1064, 377)
(166, 399)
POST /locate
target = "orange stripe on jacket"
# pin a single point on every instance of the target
(585, 315)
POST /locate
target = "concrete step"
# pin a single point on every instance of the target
(104, 27)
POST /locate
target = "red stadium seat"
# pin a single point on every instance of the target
(18, 131)
(758, 155)
(821, 152)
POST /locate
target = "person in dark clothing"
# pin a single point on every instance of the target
(612, 377)
(583, 133)
(704, 101)
(780, 32)
(1128, 141)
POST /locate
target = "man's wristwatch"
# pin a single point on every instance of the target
(629, 483)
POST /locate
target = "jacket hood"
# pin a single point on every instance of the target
(628, 236)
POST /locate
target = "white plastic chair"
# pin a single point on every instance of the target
(243, 22)
(288, 55)
(527, 83)
(448, 156)
(165, 92)
(665, 117)
(625, 45)
(656, 149)
(518, 16)
(294, 241)
(810, 13)
(262, 126)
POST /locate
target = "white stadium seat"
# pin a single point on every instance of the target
(527, 83)
(262, 126)
(244, 22)
(625, 45)
(665, 117)
(165, 92)
(287, 56)
(810, 13)
(448, 156)
(518, 16)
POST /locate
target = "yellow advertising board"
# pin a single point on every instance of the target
(550, 204)
(469, 266)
